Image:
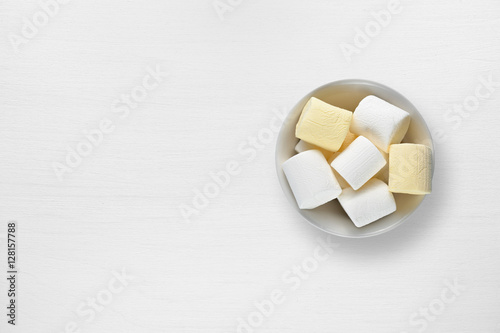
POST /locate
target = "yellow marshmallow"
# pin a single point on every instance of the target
(302, 146)
(323, 125)
(410, 168)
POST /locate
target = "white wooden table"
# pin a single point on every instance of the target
(113, 114)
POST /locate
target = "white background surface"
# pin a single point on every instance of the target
(120, 208)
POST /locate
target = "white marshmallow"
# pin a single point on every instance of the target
(383, 174)
(343, 184)
(359, 162)
(381, 122)
(302, 146)
(311, 179)
(368, 204)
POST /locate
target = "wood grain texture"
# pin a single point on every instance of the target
(121, 207)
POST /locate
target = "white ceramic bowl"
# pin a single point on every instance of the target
(347, 94)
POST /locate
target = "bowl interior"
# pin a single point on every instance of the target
(347, 94)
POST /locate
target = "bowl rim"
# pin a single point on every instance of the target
(351, 82)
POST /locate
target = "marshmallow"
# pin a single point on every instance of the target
(350, 137)
(348, 140)
(302, 146)
(368, 204)
(323, 125)
(311, 179)
(381, 122)
(342, 182)
(359, 162)
(410, 168)
(383, 174)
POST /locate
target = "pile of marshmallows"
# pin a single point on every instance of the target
(352, 156)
